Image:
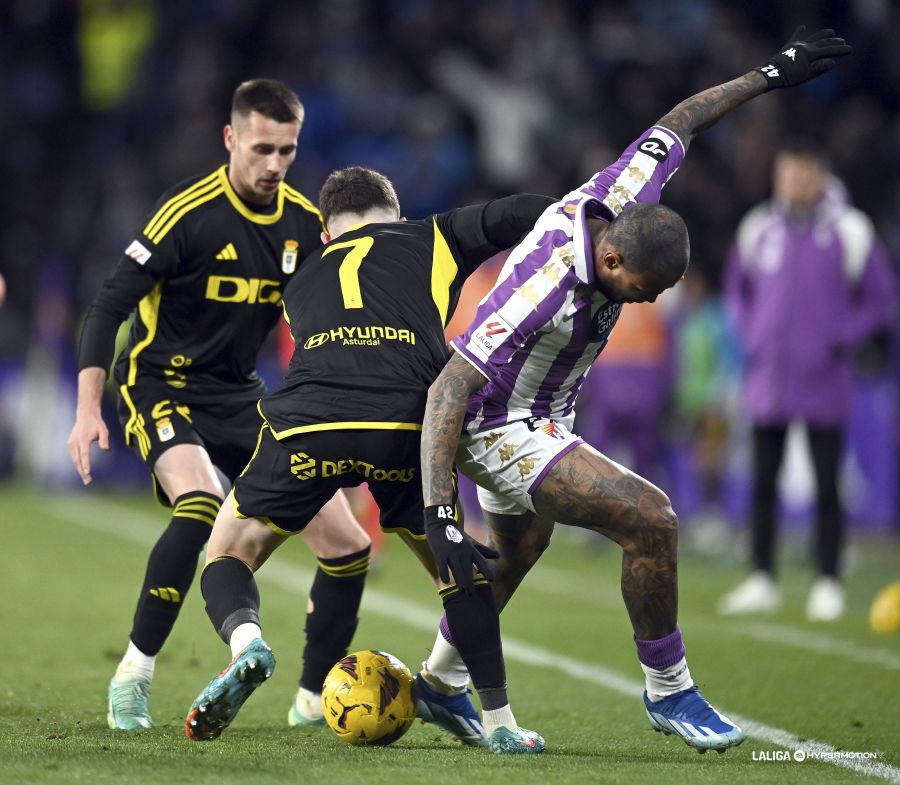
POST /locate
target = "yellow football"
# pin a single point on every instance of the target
(368, 698)
(884, 615)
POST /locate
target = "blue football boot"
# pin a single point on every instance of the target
(504, 741)
(127, 705)
(690, 716)
(455, 713)
(218, 704)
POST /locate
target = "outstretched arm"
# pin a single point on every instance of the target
(802, 58)
(703, 110)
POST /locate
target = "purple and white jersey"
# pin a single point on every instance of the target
(539, 330)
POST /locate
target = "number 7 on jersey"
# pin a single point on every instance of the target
(348, 272)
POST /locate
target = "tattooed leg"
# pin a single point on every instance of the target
(520, 539)
(587, 489)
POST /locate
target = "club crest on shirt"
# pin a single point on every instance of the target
(289, 256)
(552, 430)
(164, 429)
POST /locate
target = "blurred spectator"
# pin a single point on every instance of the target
(707, 360)
(808, 283)
(624, 398)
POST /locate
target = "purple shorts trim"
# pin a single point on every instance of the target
(551, 463)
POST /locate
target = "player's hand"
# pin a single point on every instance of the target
(88, 428)
(803, 57)
(455, 551)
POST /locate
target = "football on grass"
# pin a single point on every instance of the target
(368, 698)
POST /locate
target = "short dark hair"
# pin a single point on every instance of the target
(269, 97)
(357, 190)
(805, 147)
(651, 238)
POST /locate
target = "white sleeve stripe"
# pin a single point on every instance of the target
(675, 138)
(634, 177)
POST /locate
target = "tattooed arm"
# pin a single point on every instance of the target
(703, 110)
(802, 58)
(441, 428)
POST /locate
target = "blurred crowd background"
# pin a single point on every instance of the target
(108, 102)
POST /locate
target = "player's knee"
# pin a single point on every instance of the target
(337, 541)
(210, 486)
(181, 541)
(656, 525)
(521, 556)
(357, 540)
(663, 520)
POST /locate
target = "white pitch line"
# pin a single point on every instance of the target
(144, 529)
(818, 642)
(550, 580)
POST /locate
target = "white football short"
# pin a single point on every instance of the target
(509, 462)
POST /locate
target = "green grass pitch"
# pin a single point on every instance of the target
(71, 568)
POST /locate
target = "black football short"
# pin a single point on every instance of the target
(288, 481)
(154, 419)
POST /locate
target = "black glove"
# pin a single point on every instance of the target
(803, 58)
(454, 550)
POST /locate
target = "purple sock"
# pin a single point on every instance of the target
(662, 653)
(444, 629)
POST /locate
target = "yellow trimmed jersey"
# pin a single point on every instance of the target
(367, 313)
(206, 274)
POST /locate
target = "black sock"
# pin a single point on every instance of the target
(474, 624)
(335, 596)
(231, 595)
(171, 568)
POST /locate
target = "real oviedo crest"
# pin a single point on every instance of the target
(289, 256)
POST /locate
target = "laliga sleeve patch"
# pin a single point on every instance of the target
(138, 252)
(655, 148)
(488, 335)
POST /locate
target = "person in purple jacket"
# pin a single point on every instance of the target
(503, 406)
(807, 282)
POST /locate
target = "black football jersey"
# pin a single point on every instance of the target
(206, 274)
(367, 313)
